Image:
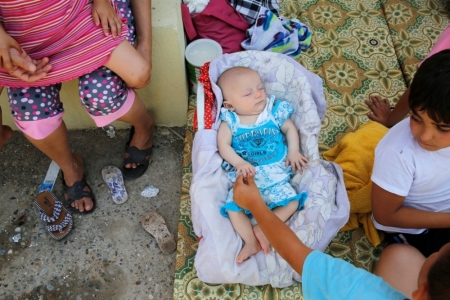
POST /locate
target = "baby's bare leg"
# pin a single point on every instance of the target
(241, 223)
(126, 62)
(283, 213)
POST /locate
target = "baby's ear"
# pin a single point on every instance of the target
(228, 105)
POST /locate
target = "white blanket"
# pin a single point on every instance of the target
(326, 210)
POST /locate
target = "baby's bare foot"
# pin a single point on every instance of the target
(263, 241)
(248, 250)
(5, 135)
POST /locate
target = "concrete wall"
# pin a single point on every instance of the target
(166, 95)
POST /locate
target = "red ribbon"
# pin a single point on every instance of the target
(210, 104)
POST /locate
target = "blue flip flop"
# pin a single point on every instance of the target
(114, 179)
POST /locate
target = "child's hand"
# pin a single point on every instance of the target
(380, 109)
(297, 161)
(246, 192)
(245, 169)
(104, 14)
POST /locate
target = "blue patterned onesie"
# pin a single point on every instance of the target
(263, 146)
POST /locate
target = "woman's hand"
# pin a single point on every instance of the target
(7, 43)
(297, 161)
(105, 15)
(27, 69)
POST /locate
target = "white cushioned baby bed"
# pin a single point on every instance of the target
(325, 211)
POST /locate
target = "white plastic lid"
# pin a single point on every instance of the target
(201, 51)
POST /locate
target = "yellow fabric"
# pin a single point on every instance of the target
(355, 154)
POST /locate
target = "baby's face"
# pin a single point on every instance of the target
(245, 94)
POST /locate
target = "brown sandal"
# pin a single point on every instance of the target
(154, 224)
(59, 220)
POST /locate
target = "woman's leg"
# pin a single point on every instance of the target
(38, 113)
(126, 62)
(109, 98)
(5, 132)
(56, 146)
(106, 98)
(144, 126)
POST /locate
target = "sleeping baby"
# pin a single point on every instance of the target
(251, 140)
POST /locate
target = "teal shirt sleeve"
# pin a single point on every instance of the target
(325, 277)
(281, 111)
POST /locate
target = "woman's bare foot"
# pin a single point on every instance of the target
(250, 248)
(5, 135)
(263, 241)
(74, 175)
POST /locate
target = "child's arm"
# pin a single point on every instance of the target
(142, 12)
(294, 157)
(282, 238)
(388, 210)
(381, 110)
(227, 152)
(105, 15)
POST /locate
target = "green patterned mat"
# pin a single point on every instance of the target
(359, 48)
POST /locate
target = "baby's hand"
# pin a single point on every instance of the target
(105, 15)
(297, 161)
(245, 169)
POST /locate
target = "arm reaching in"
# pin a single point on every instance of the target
(228, 153)
(280, 236)
(294, 157)
(381, 109)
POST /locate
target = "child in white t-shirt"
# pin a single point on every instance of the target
(411, 180)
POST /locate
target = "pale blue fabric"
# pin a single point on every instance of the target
(325, 277)
(263, 146)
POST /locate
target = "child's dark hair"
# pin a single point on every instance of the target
(439, 278)
(430, 89)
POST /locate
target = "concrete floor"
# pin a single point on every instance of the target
(108, 255)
